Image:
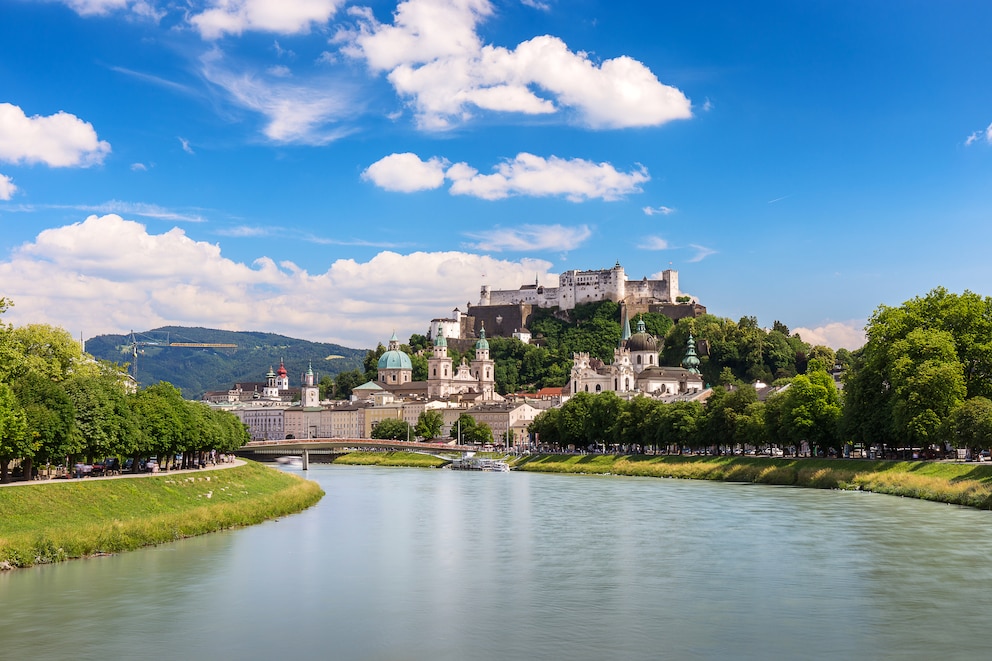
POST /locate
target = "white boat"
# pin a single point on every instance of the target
(290, 461)
(480, 464)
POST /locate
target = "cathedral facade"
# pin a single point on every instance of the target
(635, 369)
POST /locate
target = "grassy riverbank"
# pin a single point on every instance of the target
(959, 484)
(59, 520)
(412, 459)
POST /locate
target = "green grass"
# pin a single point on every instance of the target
(411, 459)
(56, 521)
(959, 484)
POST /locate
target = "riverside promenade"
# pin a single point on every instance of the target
(179, 471)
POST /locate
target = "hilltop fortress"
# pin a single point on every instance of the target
(507, 312)
(578, 287)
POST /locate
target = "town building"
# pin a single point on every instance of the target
(635, 369)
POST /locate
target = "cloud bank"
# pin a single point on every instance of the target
(110, 275)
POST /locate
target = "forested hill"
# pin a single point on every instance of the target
(197, 370)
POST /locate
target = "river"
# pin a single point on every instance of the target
(415, 564)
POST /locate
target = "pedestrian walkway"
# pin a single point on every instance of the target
(219, 466)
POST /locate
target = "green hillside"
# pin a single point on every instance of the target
(196, 370)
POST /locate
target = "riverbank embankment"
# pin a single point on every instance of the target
(968, 484)
(60, 520)
(408, 459)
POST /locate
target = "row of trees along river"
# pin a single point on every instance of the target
(57, 403)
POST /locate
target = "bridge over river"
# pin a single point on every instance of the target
(327, 448)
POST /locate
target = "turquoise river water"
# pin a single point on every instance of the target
(416, 564)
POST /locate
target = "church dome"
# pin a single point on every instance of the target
(395, 359)
(642, 340)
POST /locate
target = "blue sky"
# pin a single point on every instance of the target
(339, 170)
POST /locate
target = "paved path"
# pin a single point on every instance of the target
(231, 464)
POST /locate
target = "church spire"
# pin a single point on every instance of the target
(691, 361)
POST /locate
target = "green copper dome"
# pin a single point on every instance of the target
(483, 343)
(394, 358)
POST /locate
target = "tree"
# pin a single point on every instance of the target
(345, 382)
(808, 410)
(429, 424)
(604, 415)
(970, 425)
(392, 429)
(14, 442)
(724, 411)
(920, 361)
(50, 417)
(545, 427)
(10, 357)
(51, 352)
(159, 420)
(677, 424)
(103, 415)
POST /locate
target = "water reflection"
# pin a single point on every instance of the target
(417, 564)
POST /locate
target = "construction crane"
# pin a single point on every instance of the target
(168, 344)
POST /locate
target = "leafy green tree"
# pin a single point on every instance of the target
(51, 352)
(14, 441)
(545, 427)
(463, 428)
(724, 412)
(419, 365)
(429, 424)
(50, 418)
(10, 357)
(371, 362)
(604, 415)
(574, 417)
(678, 425)
(808, 410)
(928, 383)
(345, 382)
(920, 361)
(392, 429)
(970, 425)
(103, 415)
(161, 423)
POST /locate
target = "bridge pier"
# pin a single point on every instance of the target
(306, 460)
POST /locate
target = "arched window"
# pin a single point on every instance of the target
(638, 360)
(598, 388)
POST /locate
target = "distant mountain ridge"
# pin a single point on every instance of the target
(196, 370)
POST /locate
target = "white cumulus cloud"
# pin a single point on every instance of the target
(108, 275)
(433, 55)
(7, 187)
(837, 335)
(662, 210)
(280, 16)
(530, 237)
(576, 179)
(406, 173)
(59, 140)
